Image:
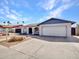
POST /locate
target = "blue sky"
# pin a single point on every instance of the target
(35, 11)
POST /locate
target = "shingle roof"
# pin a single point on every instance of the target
(8, 26)
(55, 21)
(34, 24)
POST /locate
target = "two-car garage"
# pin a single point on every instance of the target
(54, 30)
(55, 27)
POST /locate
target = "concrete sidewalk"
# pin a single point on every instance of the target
(40, 49)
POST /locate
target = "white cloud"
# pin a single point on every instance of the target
(16, 13)
(1, 11)
(76, 2)
(66, 1)
(12, 16)
(6, 2)
(20, 3)
(25, 19)
(57, 12)
(48, 4)
(6, 12)
(1, 17)
(6, 9)
(17, 18)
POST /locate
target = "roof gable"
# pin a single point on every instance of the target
(55, 21)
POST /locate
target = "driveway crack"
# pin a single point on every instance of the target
(38, 49)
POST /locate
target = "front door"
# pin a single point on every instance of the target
(30, 30)
(73, 31)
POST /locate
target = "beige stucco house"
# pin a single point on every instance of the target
(50, 27)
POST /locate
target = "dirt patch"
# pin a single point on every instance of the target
(2, 37)
(9, 44)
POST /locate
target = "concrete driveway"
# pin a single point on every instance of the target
(43, 48)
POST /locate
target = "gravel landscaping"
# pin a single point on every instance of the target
(13, 40)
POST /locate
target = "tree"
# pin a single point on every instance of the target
(8, 22)
(23, 22)
(7, 29)
(4, 22)
(17, 22)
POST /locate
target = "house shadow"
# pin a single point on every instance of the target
(73, 39)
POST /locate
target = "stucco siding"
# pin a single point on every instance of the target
(77, 30)
(2, 30)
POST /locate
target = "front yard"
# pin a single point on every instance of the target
(38, 47)
(12, 40)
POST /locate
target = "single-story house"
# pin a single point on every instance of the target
(8, 28)
(28, 29)
(50, 27)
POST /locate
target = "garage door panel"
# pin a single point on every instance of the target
(54, 31)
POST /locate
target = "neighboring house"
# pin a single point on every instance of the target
(28, 29)
(51, 27)
(9, 28)
(2, 30)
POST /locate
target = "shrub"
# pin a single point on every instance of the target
(14, 39)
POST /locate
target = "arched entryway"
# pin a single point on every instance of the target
(73, 31)
(30, 30)
(36, 31)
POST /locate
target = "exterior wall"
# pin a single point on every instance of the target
(77, 30)
(24, 30)
(69, 30)
(19, 28)
(67, 25)
(13, 30)
(33, 30)
(27, 30)
(2, 30)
